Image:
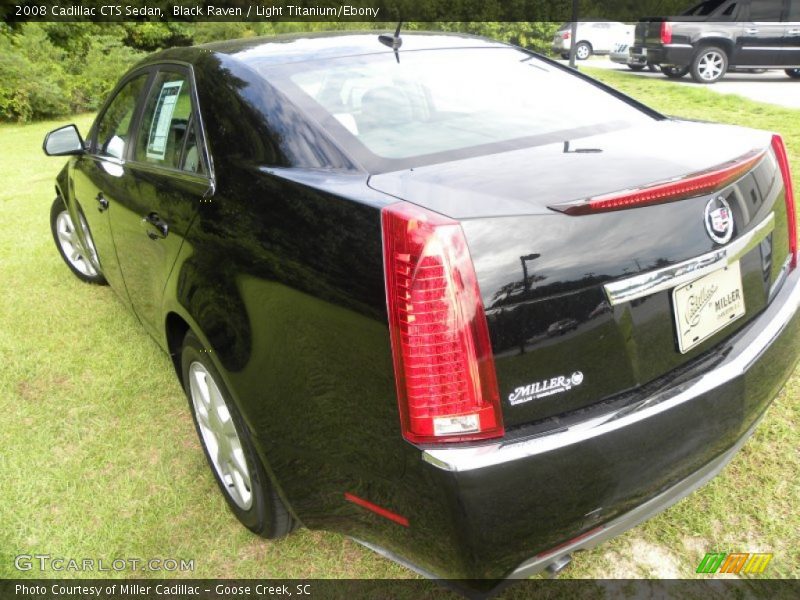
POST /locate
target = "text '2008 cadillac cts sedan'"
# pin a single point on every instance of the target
(454, 300)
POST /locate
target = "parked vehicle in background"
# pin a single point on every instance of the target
(621, 54)
(416, 301)
(716, 36)
(562, 326)
(593, 38)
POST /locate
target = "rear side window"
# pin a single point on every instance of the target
(704, 9)
(166, 134)
(114, 127)
(766, 10)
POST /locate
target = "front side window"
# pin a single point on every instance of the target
(167, 127)
(114, 127)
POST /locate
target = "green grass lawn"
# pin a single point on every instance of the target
(99, 457)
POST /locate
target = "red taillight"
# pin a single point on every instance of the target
(446, 384)
(783, 162)
(565, 35)
(666, 33)
(696, 184)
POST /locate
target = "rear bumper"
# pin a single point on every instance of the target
(510, 509)
(678, 55)
(634, 517)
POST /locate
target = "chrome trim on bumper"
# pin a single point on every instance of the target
(759, 336)
(667, 278)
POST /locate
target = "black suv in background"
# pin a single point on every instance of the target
(716, 35)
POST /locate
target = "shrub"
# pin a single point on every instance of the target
(33, 82)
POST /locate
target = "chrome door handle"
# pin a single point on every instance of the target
(794, 32)
(101, 202)
(159, 228)
(751, 30)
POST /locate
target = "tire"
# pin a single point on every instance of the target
(565, 55)
(652, 67)
(709, 65)
(793, 73)
(237, 468)
(636, 67)
(82, 262)
(583, 50)
(674, 72)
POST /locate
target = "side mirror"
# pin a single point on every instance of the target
(63, 141)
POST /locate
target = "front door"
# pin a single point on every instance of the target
(101, 177)
(171, 181)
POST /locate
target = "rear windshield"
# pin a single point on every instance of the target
(439, 104)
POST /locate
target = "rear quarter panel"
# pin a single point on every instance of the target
(283, 281)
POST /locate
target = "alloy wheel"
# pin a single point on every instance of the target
(711, 65)
(79, 257)
(220, 436)
(582, 52)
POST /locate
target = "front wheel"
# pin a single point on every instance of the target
(793, 73)
(674, 72)
(80, 256)
(228, 446)
(709, 65)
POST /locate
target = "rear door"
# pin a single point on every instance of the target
(762, 35)
(170, 171)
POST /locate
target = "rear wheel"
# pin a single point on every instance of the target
(793, 73)
(709, 65)
(583, 50)
(228, 446)
(81, 258)
(674, 72)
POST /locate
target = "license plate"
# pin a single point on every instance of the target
(707, 305)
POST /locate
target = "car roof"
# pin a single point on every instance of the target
(283, 49)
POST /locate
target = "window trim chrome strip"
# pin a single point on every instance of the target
(645, 284)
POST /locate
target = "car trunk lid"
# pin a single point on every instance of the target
(560, 340)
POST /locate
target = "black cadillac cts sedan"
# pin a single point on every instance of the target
(467, 306)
